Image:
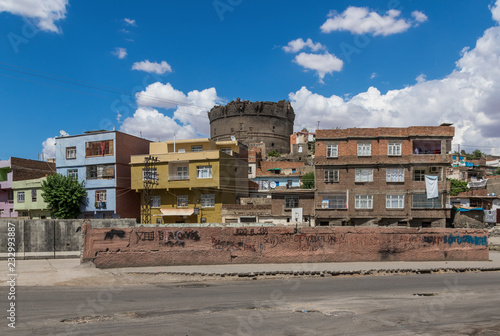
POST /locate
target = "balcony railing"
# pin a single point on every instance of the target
(178, 177)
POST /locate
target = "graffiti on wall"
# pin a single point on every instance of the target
(112, 233)
(458, 239)
(231, 246)
(251, 232)
(170, 238)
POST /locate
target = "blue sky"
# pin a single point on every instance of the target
(156, 68)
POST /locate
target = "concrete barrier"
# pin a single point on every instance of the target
(158, 246)
(50, 238)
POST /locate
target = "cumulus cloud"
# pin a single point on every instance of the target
(153, 125)
(299, 44)
(152, 67)
(190, 109)
(129, 22)
(43, 13)
(49, 148)
(421, 78)
(419, 16)
(322, 63)
(121, 53)
(360, 20)
(495, 11)
(469, 97)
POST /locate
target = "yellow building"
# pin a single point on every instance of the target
(194, 178)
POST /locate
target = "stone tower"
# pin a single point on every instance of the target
(253, 122)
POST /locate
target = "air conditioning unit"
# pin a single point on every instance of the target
(434, 169)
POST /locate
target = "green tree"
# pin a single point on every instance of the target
(64, 195)
(497, 171)
(273, 153)
(477, 154)
(457, 187)
(308, 181)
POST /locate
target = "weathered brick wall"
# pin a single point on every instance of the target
(156, 246)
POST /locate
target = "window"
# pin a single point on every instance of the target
(155, 201)
(150, 174)
(182, 173)
(10, 196)
(363, 202)
(100, 199)
(98, 148)
(331, 175)
(332, 151)
(291, 202)
(226, 150)
(73, 173)
(159, 221)
(419, 175)
(249, 169)
(395, 201)
(394, 149)
(204, 171)
(337, 201)
(208, 200)
(426, 146)
(421, 201)
(196, 148)
(100, 172)
(20, 196)
(33, 195)
(182, 201)
(363, 175)
(70, 152)
(300, 149)
(395, 175)
(364, 149)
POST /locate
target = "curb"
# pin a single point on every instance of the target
(256, 275)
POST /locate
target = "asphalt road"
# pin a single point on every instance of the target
(437, 304)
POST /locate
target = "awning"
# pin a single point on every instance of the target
(274, 169)
(176, 212)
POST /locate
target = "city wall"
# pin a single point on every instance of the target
(50, 238)
(159, 246)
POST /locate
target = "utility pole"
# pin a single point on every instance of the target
(317, 128)
(149, 180)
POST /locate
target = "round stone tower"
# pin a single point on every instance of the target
(253, 122)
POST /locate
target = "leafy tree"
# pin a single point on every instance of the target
(477, 154)
(497, 171)
(308, 181)
(64, 195)
(273, 153)
(457, 187)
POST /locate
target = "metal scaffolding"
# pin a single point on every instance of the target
(150, 180)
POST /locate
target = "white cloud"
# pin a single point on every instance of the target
(419, 16)
(147, 66)
(153, 125)
(373, 75)
(421, 78)
(121, 53)
(129, 22)
(49, 148)
(469, 97)
(322, 63)
(43, 13)
(191, 109)
(299, 44)
(359, 20)
(495, 11)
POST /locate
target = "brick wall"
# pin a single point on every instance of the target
(155, 246)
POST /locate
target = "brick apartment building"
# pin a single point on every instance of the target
(376, 176)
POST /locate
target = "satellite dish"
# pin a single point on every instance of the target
(63, 133)
(272, 184)
(233, 138)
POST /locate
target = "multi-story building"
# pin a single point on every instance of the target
(101, 160)
(28, 200)
(377, 176)
(17, 169)
(193, 179)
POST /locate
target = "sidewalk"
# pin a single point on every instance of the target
(69, 272)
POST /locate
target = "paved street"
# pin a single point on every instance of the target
(437, 304)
